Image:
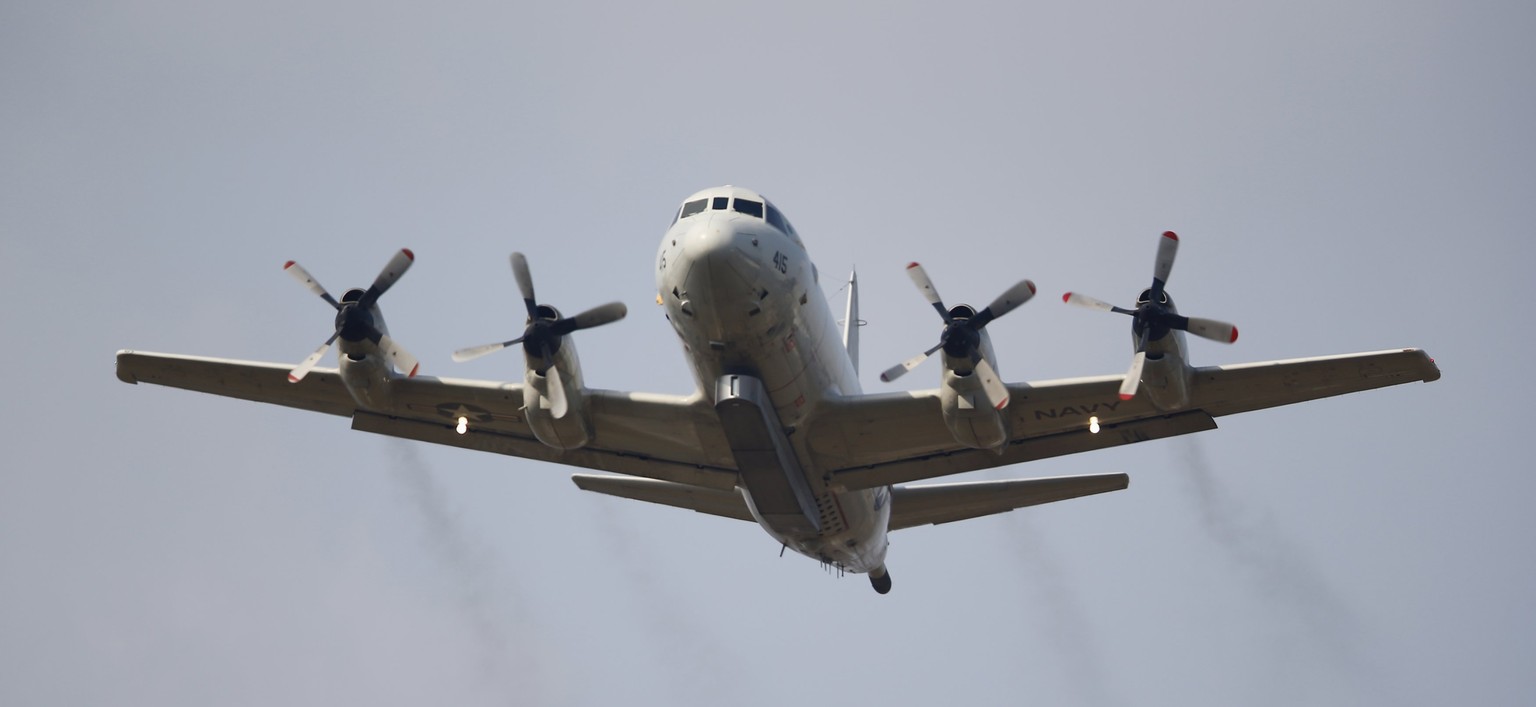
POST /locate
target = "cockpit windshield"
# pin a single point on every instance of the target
(693, 207)
(750, 207)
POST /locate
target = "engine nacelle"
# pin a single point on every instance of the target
(366, 371)
(970, 417)
(1165, 376)
(572, 430)
(1165, 379)
(367, 379)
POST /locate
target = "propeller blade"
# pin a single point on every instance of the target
(388, 276)
(1091, 303)
(1006, 302)
(997, 393)
(303, 369)
(403, 360)
(901, 369)
(1133, 377)
(299, 273)
(925, 286)
(1210, 329)
(598, 316)
(474, 352)
(557, 402)
(524, 283)
(1167, 248)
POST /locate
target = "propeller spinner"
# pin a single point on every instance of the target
(961, 337)
(1155, 315)
(544, 331)
(354, 315)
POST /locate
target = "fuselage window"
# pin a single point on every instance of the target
(693, 207)
(750, 208)
(719, 203)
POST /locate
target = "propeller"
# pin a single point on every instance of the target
(544, 331)
(961, 337)
(1155, 315)
(354, 315)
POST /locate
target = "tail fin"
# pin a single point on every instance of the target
(851, 322)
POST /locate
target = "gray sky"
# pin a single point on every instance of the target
(1344, 178)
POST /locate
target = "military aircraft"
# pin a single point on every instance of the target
(778, 431)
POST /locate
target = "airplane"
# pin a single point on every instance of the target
(778, 431)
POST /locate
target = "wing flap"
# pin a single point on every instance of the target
(945, 503)
(726, 504)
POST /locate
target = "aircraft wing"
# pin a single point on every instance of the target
(673, 438)
(860, 441)
(878, 440)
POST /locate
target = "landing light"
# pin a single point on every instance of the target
(1093, 424)
(464, 425)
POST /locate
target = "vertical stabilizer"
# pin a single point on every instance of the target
(851, 320)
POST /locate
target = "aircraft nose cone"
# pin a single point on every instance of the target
(722, 273)
(716, 239)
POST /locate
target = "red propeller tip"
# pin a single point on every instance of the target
(414, 368)
(408, 253)
(1031, 284)
(1123, 396)
(913, 265)
(292, 378)
(1234, 335)
(287, 265)
(1170, 235)
(1066, 296)
(1002, 404)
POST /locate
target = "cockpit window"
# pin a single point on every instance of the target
(719, 203)
(748, 207)
(777, 220)
(692, 208)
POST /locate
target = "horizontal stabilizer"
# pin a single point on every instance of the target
(944, 503)
(727, 504)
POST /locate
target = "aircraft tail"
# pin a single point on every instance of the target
(851, 322)
(945, 503)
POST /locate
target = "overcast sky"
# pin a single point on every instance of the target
(1343, 177)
